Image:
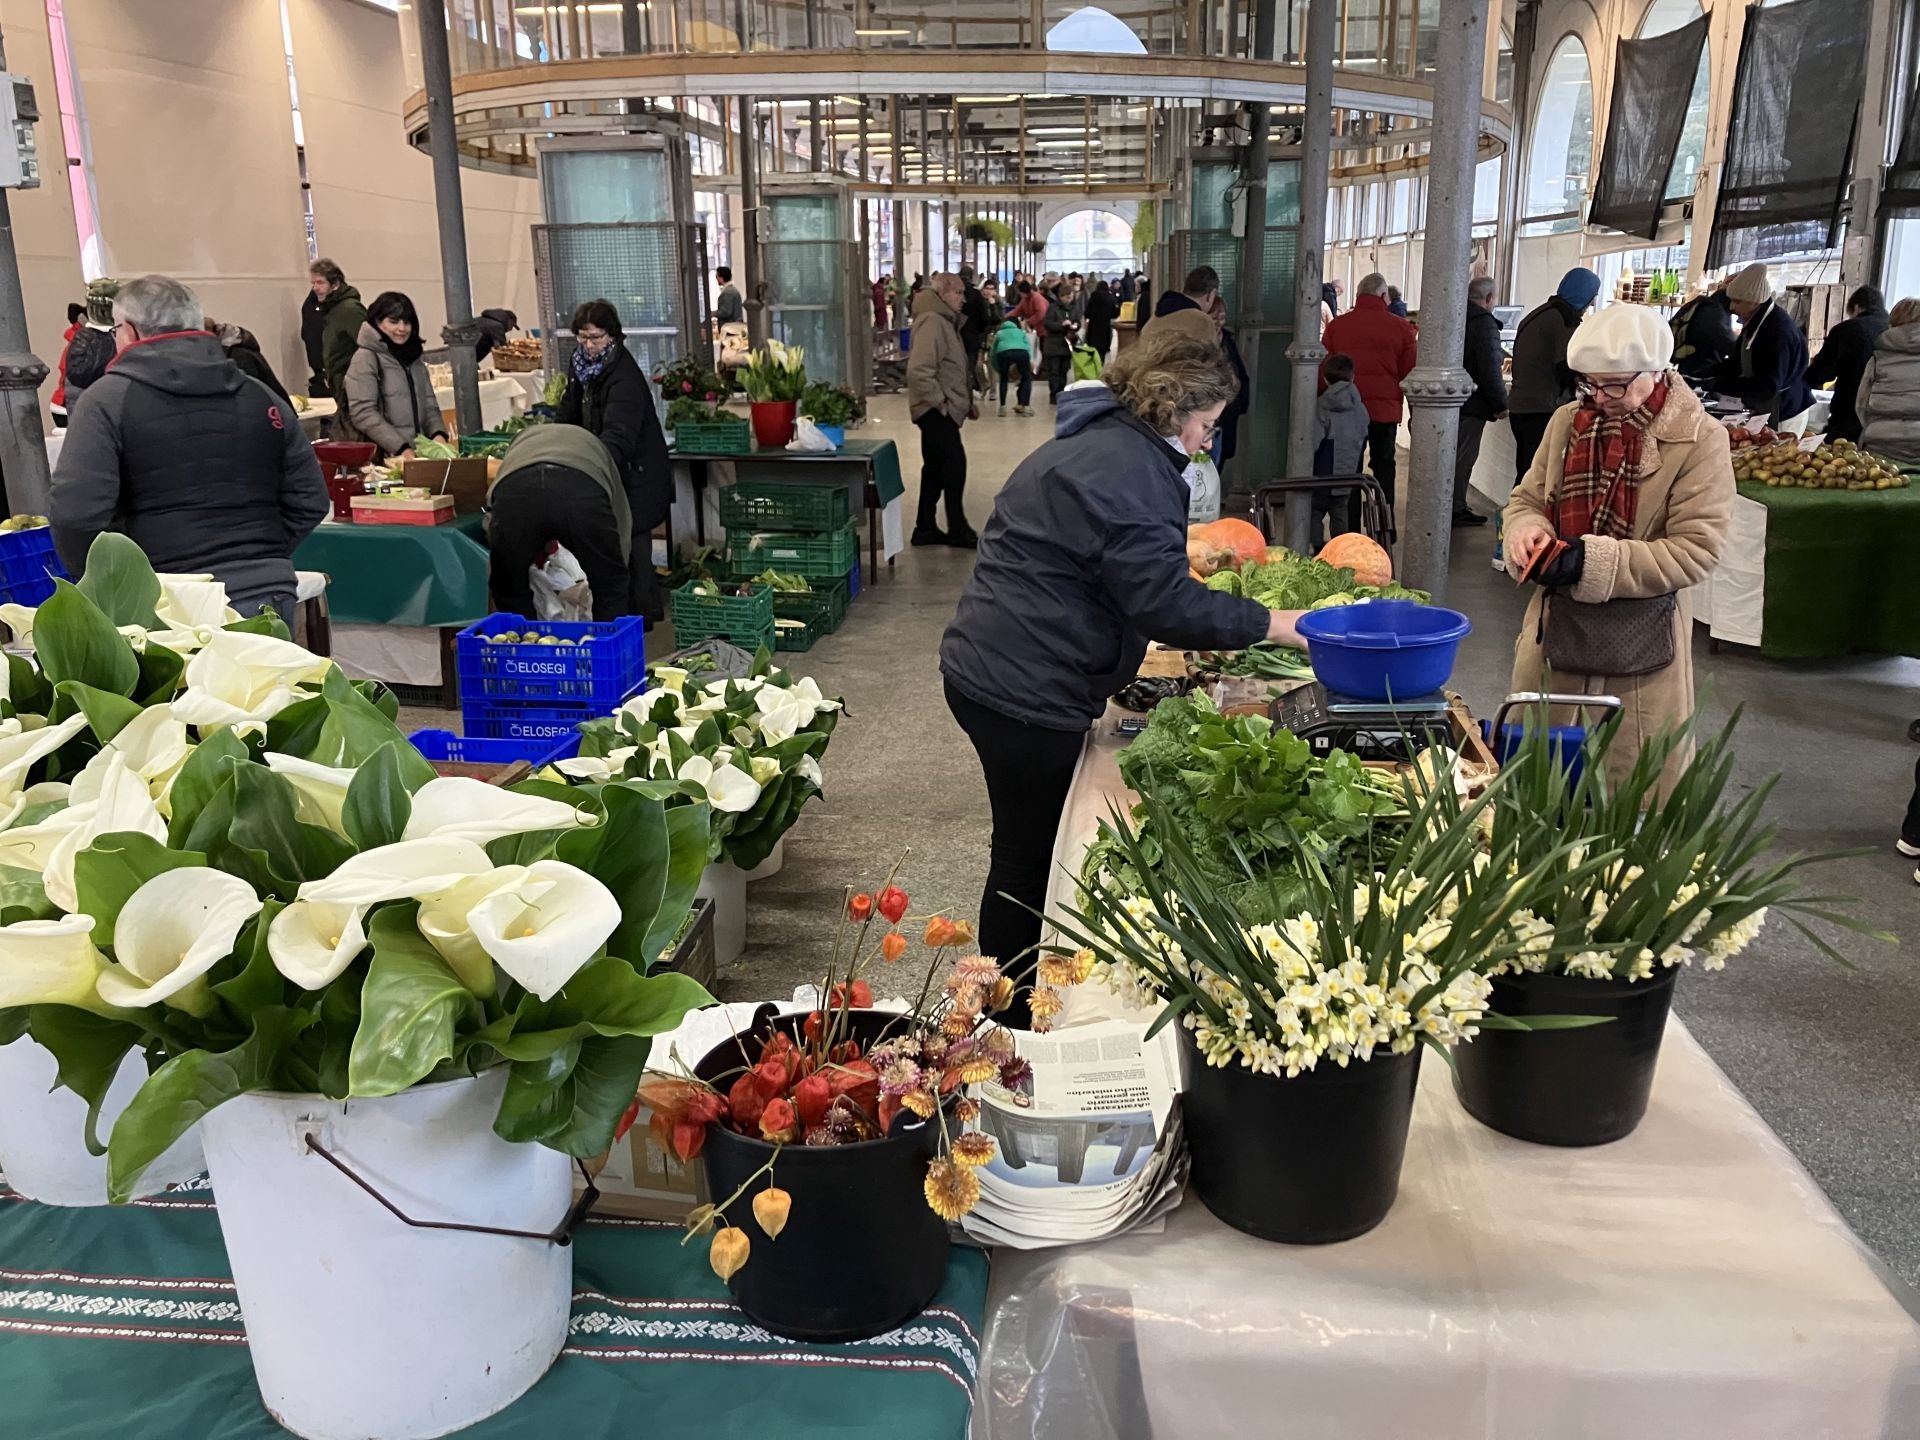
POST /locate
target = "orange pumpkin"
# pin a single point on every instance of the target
(1370, 564)
(1224, 545)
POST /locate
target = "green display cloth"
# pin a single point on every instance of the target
(400, 574)
(123, 1321)
(1840, 577)
(883, 455)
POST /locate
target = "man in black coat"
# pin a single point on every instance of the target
(1768, 368)
(1703, 335)
(201, 467)
(975, 320)
(313, 339)
(1489, 399)
(1843, 359)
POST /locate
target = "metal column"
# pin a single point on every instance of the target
(1306, 353)
(748, 260)
(23, 444)
(1253, 244)
(1438, 386)
(460, 333)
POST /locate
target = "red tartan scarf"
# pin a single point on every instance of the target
(1600, 481)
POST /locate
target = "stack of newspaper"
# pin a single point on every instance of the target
(1091, 1148)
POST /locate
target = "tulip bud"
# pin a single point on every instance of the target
(729, 1251)
(770, 1208)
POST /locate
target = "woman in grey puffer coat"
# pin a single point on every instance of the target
(1889, 400)
(389, 397)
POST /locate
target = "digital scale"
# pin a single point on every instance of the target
(1366, 729)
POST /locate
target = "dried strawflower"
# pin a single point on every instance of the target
(952, 1189)
(973, 1148)
(920, 1102)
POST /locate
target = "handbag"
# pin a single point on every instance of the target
(1613, 637)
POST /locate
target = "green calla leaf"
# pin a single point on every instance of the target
(107, 713)
(13, 1022)
(265, 827)
(27, 689)
(573, 1100)
(23, 890)
(258, 983)
(651, 856)
(209, 766)
(107, 872)
(339, 1023)
(539, 1096)
(408, 1008)
(88, 1049)
(607, 997)
(191, 1085)
(161, 671)
(380, 795)
(120, 580)
(74, 640)
(266, 622)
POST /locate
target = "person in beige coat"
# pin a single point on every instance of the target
(940, 399)
(1638, 480)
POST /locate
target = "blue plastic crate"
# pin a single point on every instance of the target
(605, 663)
(473, 750)
(853, 582)
(28, 566)
(494, 720)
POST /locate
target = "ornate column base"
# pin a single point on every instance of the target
(1425, 503)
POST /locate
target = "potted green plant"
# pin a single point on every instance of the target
(696, 420)
(1693, 880)
(774, 377)
(334, 960)
(832, 408)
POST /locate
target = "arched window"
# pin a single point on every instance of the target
(1663, 17)
(1560, 158)
(1094, 242)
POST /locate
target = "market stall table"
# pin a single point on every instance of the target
(1813, 574)
(398, 594)
(124, 1321)
(1689, 1281)
(869, 468)
(500, 399)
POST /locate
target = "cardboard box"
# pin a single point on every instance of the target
(399, 508)
(464, 479)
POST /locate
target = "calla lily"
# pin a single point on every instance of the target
(474, 810)
(670, 677)
(171, 932)
(155, 745)
(766, 769)
(546, 925)
(18, 619)
(46, 792)
(21, 748)
(728, 788)
(407, 870)
(124, 803)
(312, 941)
(190, 602)
(242, 679)
(808, 769)
(782, 713)
(600, 768)
(50, 962)
(320, 791)
(30, 847)
(444, 922)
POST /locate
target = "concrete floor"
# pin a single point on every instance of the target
(1829, 1057)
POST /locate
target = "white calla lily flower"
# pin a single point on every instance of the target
(124, 803)
(782, 713)
(242, 679)
(599, 768)
(171, 932)
(22, 748)
(30, 847)
(728, 788)
(46, 792)
(155, 745)
(19, 619)
(444, 922)
(453, 806)
(548, 924)
(312, 941)
(405, 870)
(50, 962)
(766, 769)
(670, 677)
(193, 601)
(320, 791)
(808, 769)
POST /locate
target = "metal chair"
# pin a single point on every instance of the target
(1376, 511)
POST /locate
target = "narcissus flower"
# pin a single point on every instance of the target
(770, 1208)
(893, 904)
(973, 1148)
(728, 1251)
(952, 1189)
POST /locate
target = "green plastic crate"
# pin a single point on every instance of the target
(822, 557)
(718, 437)
(788, 637)
(823, 608)
(473, 444)
(801, 506)
(746, 620)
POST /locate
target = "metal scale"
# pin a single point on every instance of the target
(1396, 730)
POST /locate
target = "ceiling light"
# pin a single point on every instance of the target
(882, 32)
(986, 99)
(1056, 130)
(1066, 144)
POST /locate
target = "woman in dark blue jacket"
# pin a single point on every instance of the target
(1082, 561)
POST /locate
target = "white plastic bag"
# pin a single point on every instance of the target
(1203, 479)
(560, 590)
(807, 437)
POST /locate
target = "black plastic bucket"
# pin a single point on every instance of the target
(861, 1252)
(1305, 1161)
(1566, 1087)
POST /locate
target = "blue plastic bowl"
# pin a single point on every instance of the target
(1384, 649)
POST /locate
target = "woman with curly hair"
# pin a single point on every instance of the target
(1083, 560)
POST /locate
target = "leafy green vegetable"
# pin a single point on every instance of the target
(1227, 581)
(426, 448)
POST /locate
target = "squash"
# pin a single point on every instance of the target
(1224, 545)
(1370, 564)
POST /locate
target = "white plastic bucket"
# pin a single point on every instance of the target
(362, 1327)
(43, 1146)
(770, 867)
(726, 886)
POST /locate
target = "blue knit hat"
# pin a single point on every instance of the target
(1578, 287)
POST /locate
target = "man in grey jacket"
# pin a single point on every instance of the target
(940, 400)
(203, 468)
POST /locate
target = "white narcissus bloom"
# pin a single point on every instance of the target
(320, 791)
(728, 788)
(598, 767)
(545, 926)
(473, 810)
(242, 679)
(171, 932)
(22, 748)
(50, 962)
(114, 798)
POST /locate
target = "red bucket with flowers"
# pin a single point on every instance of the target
(835, 1140)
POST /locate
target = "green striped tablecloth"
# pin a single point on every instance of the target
(400, 574)
(123, 1322)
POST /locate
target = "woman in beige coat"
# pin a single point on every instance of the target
(1637, 478)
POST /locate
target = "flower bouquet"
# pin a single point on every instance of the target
(696, 414)
(224, 857)
(841, 1127)
(774, 377)
(1689, 879)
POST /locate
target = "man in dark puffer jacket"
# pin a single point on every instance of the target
(203, 468)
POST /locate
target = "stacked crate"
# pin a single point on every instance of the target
(797, 528)
(538, 693)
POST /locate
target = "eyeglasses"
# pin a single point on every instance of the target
(1208, 436)
(1588, 390)
(592, 339)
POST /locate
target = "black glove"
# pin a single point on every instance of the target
(1564, 570)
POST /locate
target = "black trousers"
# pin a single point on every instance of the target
(1466, 454)
(1029, 771)
(1910, 827)
(1382, 437)
(1528, 432)
(536, 507)
(1057, 366)
(1013, 365)
(943, 473)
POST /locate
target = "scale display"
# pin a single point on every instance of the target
(1367, 729)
